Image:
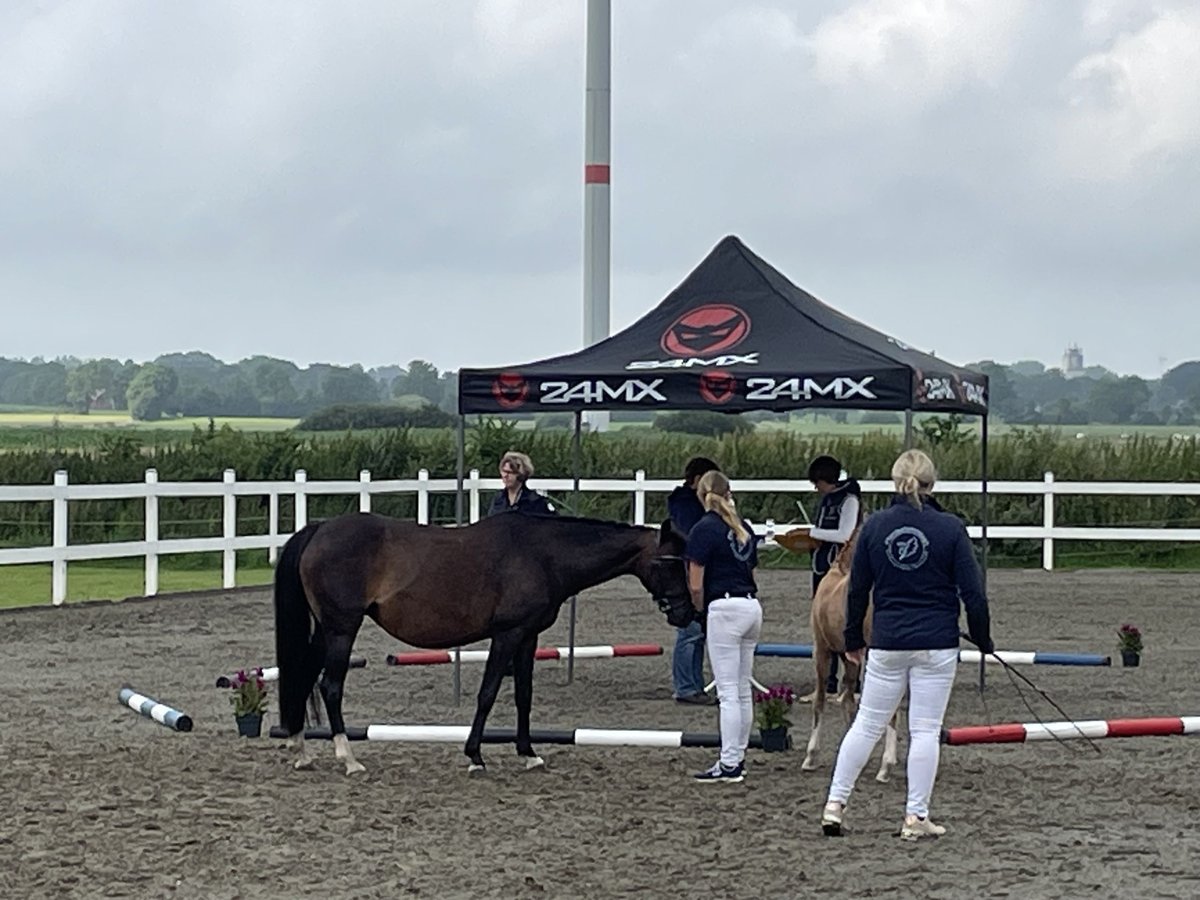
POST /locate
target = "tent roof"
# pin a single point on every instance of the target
(735, 335)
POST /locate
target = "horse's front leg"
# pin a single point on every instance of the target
(337, 663)
(523, 690)
(504, 645)
(890, 753)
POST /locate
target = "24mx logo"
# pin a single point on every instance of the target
(939, 389)
(840, 388)
(974, 393)
(598, 391)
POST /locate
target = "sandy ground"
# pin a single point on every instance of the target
(97, 801)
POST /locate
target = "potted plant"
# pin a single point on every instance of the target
(249, 699)
(771, 715)
(1130, 640)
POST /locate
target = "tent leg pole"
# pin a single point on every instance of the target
(575, 453)
(908, 429)
(458, 520)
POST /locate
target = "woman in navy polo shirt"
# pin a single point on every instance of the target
(721, 557)
(920, 564)
(515, 469)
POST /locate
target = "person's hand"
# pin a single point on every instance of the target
(857, 656)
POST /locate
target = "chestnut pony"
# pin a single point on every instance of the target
(503, 578)
(828, 625)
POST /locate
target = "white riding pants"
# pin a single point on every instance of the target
(928, 676)
(734, 625)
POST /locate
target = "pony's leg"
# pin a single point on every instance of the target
(890, 752)
(821, 663)
(337, 663)
(314, 660)
(504, 645)
(523, 690)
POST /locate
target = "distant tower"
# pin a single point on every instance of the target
(1073, 362)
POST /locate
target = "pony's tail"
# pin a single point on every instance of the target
(294, 632)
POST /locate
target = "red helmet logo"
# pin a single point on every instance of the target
(717, 387)
(712, 328)
(510, 389)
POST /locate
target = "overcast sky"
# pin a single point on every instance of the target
(378, 180)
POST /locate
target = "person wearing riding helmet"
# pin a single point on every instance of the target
(915, 563)
(515, 469)
(721, 556)
(838, 514)
(687, 661)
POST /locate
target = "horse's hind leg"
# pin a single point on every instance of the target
(890, 752)
(821, 662)
(313, 661)
(337, 663)
(523, 690)
(504, 645)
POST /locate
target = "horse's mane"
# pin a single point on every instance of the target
(610, 524)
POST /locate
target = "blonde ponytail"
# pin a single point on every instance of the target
(914, 476)
(712, 490)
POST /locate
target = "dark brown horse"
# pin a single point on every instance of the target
(504, 578)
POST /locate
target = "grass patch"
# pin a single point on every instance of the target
(29, 585)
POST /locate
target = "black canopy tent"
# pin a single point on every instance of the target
(734, 336)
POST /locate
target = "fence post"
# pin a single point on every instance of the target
(473, 488)
(364, 491)
(301, 500)
(58, 568)
(1048, 523)
(273, 526)
(423, 497)
(639, 497)
(151, 587)
(229, 530)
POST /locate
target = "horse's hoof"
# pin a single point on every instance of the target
(355, 768)
(476, 769)
(808, 766)
(532, 763)
(303, 763)
(883, 777)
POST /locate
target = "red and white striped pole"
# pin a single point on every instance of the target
(597, 227)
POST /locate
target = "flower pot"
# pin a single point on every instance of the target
(775, 740)
(1130, 658)
(249, 725)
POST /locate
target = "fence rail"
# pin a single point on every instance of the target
(61, 493)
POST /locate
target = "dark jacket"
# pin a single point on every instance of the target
(528, 501)
(920, 564)
(684, 508)
(829, 514)
(728, 565)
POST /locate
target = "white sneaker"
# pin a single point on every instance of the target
(916, 828)
(831, 820)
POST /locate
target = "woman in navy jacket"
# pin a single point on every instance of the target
(919, 563)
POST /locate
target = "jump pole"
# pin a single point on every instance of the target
(152, 709)
(1012, 657)
(457, 734)
(271, 673)
(439, 657)
(1019, 733)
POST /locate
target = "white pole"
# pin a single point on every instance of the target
(596, 155)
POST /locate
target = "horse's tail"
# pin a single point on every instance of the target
(294, 632)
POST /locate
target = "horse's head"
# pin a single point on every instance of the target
(664, 575)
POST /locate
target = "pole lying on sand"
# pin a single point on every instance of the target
(152, 709)
(271, 673)
(457, 734)
(1019, 733)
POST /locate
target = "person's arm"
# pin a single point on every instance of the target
(862, 579)
(970, 590)
(847, 519)
(696, 584)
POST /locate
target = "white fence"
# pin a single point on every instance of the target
(60, 553)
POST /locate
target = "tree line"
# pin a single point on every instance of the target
(199, 384)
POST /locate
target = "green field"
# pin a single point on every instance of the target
(30, 585)
(41, 418)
